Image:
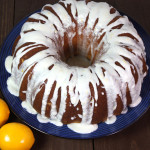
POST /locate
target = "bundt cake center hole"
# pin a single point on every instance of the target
(79, 61)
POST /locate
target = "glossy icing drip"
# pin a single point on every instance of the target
(8, 63)
(28, 108)
(94, 30)
(82, 128)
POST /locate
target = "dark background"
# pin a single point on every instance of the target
(135, 137)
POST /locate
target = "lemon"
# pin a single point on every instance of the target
(16, 136)
(4, 112)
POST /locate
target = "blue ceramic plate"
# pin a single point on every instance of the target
(122, 122)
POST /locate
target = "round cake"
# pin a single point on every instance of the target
(78, 62)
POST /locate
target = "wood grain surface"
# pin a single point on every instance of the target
(135, 137)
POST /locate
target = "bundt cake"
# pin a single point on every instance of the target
(46, 56)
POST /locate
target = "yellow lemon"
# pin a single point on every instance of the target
(4, 112)
(16, 136)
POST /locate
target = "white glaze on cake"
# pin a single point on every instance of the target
(114, 79)
(12, 86)
(8, 63)
(137, 102)
(111, 120)
(44, 119)
(28, 108)
(82, 128)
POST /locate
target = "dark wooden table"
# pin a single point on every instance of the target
(135, 137)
